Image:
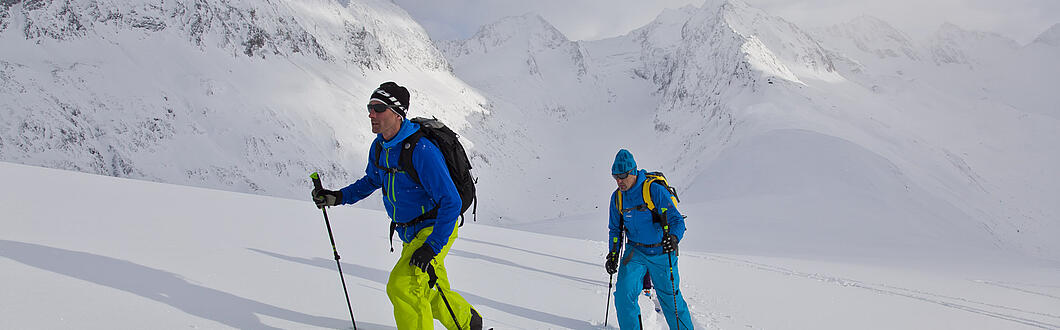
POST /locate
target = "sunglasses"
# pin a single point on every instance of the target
(379, 107)
(621, 176)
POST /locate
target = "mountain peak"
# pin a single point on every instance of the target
(874, 36)
(955, 45)
(953, 32)
(523, 27)
(800, 51)
(515, 36)
(873, 22)
(517, 42)
(1050, 36)
(948, 27)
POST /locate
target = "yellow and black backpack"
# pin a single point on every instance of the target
(650, 178)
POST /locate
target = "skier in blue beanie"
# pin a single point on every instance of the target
(652, 232)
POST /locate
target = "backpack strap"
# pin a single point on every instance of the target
(622, 211)
(405, 160)
(621, 220)
(391, 170)
(657, 217)
(433, 213)
(647, 191)
(405, 165)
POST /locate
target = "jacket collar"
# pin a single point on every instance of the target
(640, 180)
(407, 128)
(641, 176)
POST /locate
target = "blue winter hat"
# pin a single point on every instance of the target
(623, 162)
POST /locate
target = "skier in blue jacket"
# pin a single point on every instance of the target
(423, 215)
(650, 246)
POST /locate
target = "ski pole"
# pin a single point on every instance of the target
(616, 247)
(608, 311)
(316, 184)
(433, 283)
(670, 256)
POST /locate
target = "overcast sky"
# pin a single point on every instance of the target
(1021, 20)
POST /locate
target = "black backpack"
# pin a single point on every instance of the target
(456, 160)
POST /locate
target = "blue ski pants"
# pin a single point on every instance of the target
(634, 265)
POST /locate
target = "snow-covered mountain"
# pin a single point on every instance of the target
(1050, 37)
(242, 95)
(854, 126)
(874, 36)
(851, 126)
(954, 45)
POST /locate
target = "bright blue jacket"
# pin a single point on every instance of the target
(638, 223)
(403, 198)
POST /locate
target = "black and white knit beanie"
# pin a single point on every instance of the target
(392, 94)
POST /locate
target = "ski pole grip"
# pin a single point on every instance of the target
(316, 180)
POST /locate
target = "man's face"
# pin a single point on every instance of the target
(387, 122)
(625, 180)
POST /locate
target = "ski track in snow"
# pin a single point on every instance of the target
(920, 295)
(1012, 286)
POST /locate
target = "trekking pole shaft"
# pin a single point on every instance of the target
(339, 266)
(616, 247)
(670, 256)
(335, 250)
(607, 312)
(434, 279)
(677, 317)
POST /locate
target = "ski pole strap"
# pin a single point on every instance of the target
(433, 213)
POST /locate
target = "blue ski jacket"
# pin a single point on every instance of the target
(637, 222)
(403, 199)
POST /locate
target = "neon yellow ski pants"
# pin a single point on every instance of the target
(415, 305)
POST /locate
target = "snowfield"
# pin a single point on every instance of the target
(843, 177)
(81, 251)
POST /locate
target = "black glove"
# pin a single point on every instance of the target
(324, 197)
(422, 257)
(612, 262)
(669, 243)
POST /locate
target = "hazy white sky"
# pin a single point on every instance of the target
(1021, 20)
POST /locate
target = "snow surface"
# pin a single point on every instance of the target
(1050, 37)
(111, 253)
(834, 178)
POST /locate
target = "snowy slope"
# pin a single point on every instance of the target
(945, 148)
(984, 104)
(118, 253)
(241, 95)
(954, 45)
(907, 143)
(1049, 37)
(541, 82)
